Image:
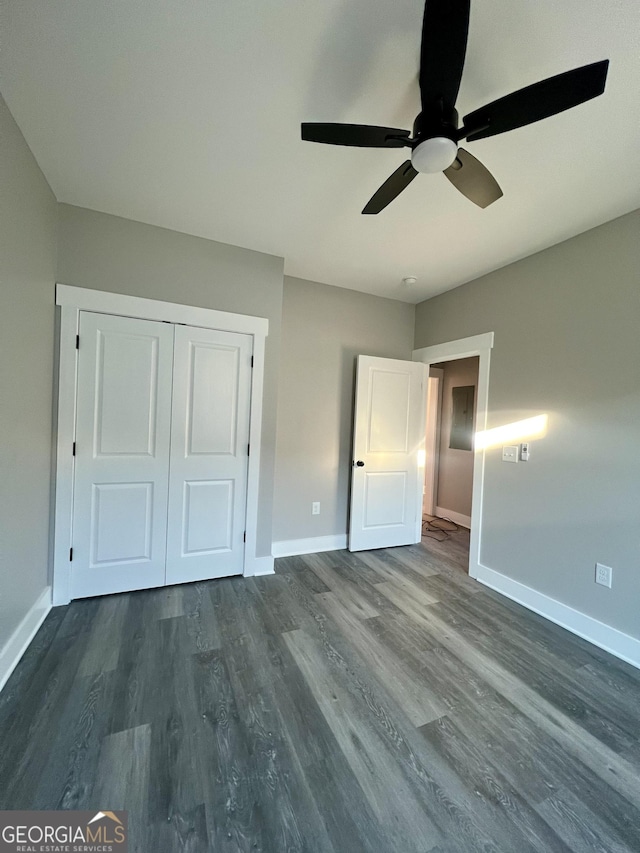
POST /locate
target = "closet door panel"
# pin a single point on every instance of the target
(209, 454)
(123, 423)
(213, 400)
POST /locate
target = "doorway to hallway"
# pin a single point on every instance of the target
(480, 346)
(450, 440)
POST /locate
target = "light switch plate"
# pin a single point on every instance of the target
(510, 453)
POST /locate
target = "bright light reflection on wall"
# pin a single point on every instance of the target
(422, 458)
(527, 429)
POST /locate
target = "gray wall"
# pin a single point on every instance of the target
(455, 469)
(323, 330)
(104, 252)
(567, 344)
(27, 277)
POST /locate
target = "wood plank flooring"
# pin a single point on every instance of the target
(381, 702)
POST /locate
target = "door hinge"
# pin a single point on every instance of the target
(251, 361)
(74, 448)
(248, 450)
(77, 341)
(70, 554)
(244, 538)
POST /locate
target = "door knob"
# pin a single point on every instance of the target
(360, 463)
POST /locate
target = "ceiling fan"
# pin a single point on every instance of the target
(434, 145)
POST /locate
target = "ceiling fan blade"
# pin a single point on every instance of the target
(391, 188)
(445, 28)
(472, 179)
(541, 100)
(360, 135)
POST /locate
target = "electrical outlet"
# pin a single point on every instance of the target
(315, 508)
(604, 575)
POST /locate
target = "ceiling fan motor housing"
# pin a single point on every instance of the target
(435, 135)
(438, 121)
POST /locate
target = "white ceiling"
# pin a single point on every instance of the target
(186, 114)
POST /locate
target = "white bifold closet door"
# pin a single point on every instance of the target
(209, 454)
(162, 429)
(123, 429)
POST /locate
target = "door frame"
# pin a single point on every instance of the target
(480, 345)
(432, 448)
(73, 300)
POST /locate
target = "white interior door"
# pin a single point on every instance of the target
(209, 454)
(122, 445)
(389, 434)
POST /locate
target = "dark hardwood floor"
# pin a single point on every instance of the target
(380, 702)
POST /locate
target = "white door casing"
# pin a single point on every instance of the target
(389, 435)
(122, 445)
(209, 454)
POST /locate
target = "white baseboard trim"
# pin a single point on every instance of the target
(260, 566)
(604, 636)
(314, 545)
(463, 520)
(18, 642)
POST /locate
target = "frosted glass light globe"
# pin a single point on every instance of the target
(434, 155)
